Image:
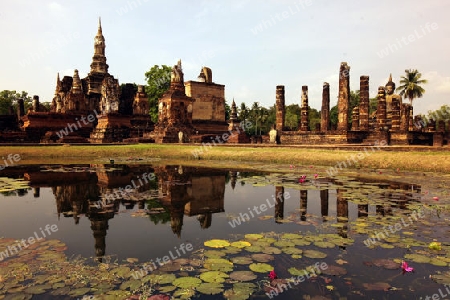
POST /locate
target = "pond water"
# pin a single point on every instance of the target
(108, 231)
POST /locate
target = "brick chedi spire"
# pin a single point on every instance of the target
(98, 64)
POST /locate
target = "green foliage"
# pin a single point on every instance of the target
(334, 117)
(410, 85)
(314, 118)
(243, 112)
(9, 98)
(227, 111)
(291, 117)
(158, 82)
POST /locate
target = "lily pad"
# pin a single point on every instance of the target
(253, 236)
(38, 289)
(314, 254)
(418, 258)
(218, 264)
(323, 244)
(187, 282)
(210, 288)
(213, 276)
(386, 263)
(261, 267)
(240, 244)
(243, 275)
(214, 253)
(261, 257)
(242, 260)
(216, 243)
(271, 250)
(377, 286)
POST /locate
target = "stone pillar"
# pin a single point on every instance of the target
(395, 115)
(404, 117)
(355, 118)
(20, 107)
(280, 110)
(304, 118)
(381, 108)
(344, 96)
(364, 103)
(325, 111)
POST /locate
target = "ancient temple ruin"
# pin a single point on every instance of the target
(392, 123)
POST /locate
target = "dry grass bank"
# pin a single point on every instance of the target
(433, 161)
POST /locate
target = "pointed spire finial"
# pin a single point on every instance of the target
(99, 23)
(390, 77)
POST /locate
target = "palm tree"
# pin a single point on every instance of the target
(243, 112)
(410, 85)
(255, 111)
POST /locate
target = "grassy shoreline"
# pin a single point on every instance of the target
(416, 159)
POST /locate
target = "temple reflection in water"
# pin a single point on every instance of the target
(176, 191)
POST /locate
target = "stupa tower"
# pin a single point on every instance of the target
(98, 64)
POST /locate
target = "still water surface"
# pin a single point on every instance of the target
(108, 213)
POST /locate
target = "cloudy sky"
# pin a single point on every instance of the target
(251, 46)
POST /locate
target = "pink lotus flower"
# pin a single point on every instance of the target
(405, 267)
(272, 275)
(301, 180)
(316, 175)
(436, 198)
(291, 166)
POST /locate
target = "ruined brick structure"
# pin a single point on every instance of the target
(280, 108)
(304, 113)
(364, 103)
(325, 110)
(344, 96)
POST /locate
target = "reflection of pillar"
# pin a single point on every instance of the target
(344, 96)
(324, 203)
(303, 204)
(342, 211)
(141, 204)
(36, 192)
(325, 111)
(279, 204)
(364, 103)
(99, 227)
(363, 210)
(233, 180)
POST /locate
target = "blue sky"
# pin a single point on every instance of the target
(251, 46)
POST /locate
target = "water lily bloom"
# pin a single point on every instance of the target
(316, 175)
(272, 275)
(405, 267)
(301, 180)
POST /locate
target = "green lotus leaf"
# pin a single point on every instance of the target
(213, 276)
(38, 289)
(314, 254)
(210, 288)
(271, 250)
(159, 278)
(243, 275)
(79, 292)
(269, 240)
(253, 236)
(242, 260)
(261, 257)
(291, 236)
(216, 243)
(260, 267)
(301, 242)
(418, 258)
(438, 262)
(184, 293)
(218, 264)
(254, 249)
(284, 243)
(132, 284)
(296, 272)
(214, 253)
(292, 250)
(231, 250)
(17, 296)
(332, 270)
(167, 288)
(240, 244)
(187, 282)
